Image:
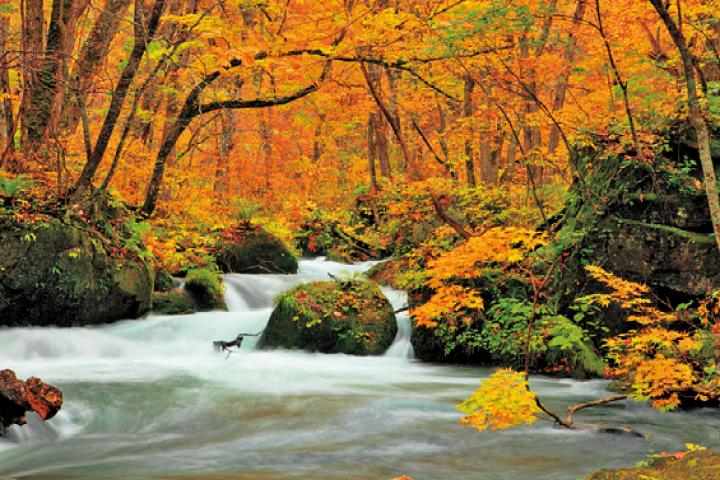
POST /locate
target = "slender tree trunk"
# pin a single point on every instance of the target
(91, 57)
(618, 77)
(467, 113)
(696, 116)
(373, 78)
(372, 151)
(225, 147)
(7, 116)
(564, 79)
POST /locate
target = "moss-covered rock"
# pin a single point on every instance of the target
(352, 317)
(174, 302)
(698, 465)
(163, 281)
(643, 221)
(206, 288)
(55, 272)
(250, 249)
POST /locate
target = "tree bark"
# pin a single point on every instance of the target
(467, 113)
(33, 26)
(696, 116)
(49, 86)
(7, 116)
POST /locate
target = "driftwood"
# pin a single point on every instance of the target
(17, 397)
(225, 346)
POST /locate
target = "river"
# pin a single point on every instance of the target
(150, 399)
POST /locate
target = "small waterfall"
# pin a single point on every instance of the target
(401, 347)
(251, 293)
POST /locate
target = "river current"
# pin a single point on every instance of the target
(151, 399)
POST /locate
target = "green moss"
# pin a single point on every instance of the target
(55, 272)
(697, 465)
(352, 317)
(206, 287)
(707, 239)
(163, 281)
(174, 302)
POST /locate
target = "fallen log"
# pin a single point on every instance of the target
(17, 397)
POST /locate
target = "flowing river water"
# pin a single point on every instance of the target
(150, 399)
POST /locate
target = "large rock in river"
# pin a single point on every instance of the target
(352, 317)
(249, 248)
(56, 273)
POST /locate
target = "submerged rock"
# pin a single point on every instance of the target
(698, 465)
(251, 249)
(174, 302)
(56, 273)
(18, 397)
(351, 317)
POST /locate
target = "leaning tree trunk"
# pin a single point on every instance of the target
(696, 117)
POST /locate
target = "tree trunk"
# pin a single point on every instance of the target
(32, 47)
(372, 151)
(49, 88)
(564, 79)
(696, 117)
(467, 113)
(91, 57)
(6, 109)
(225, 146)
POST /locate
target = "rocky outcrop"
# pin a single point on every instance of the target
(54, 272)
(643, 220)
(18, 397)
(351, 317)
(251, 249)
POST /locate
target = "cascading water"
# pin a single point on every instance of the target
(151, 399)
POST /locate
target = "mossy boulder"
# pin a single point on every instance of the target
(251, 249)
(163, 281)
(206, 288)
(59, 272)
(174, 302)
(698, 465)
(645, 221)
(351, 317)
